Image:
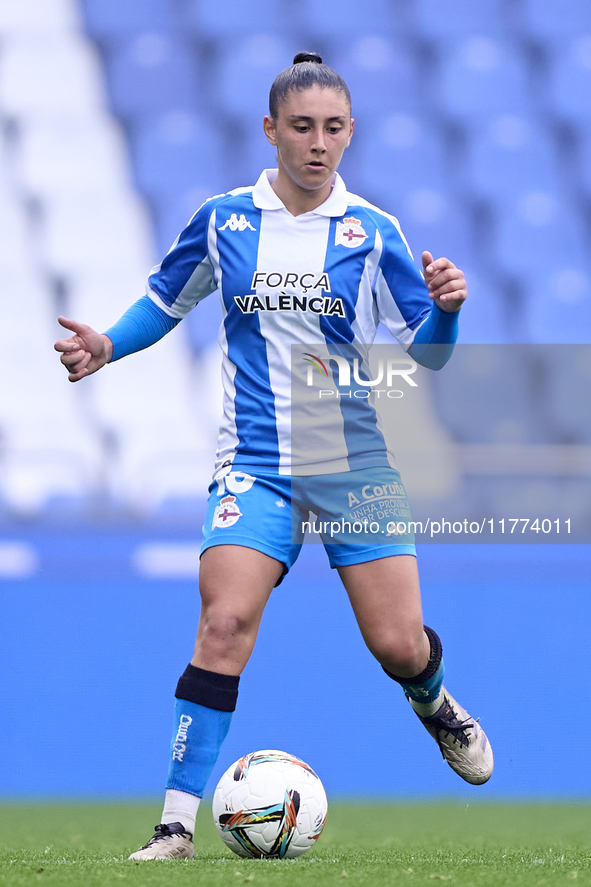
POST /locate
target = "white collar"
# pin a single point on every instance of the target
(265, 198)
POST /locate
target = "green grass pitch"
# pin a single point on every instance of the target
(373, 844)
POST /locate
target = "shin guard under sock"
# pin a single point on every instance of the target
(204, 705)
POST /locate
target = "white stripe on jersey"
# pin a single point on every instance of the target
(228, 439)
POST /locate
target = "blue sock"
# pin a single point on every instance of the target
(205, 702)
(196, 742)
(429, 690)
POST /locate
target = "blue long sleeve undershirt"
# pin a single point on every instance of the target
(435, 339)
(144, 323)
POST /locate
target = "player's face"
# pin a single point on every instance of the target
(311, 132)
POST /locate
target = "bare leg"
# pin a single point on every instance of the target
(386, 600)
(235, 584)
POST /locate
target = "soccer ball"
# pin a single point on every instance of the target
(269, 805)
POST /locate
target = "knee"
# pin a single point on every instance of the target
(223, 629)
(404, 655)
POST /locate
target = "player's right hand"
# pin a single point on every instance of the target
(85, 352)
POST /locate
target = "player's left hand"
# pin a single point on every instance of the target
(445, 282)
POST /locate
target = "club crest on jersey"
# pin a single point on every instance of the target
(237, 224)
(350, 233)
(226, 513)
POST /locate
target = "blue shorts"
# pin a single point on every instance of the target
(356, 515)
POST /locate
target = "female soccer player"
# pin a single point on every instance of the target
(296, 259)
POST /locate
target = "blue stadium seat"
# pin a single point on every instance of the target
(584, 165)
(552, 23)
(510, 154)
(245, 70)
(401, 168)
(218, 21)
(435, 221)
(570, 81)
(381, 74)
(568, 380)
(538, 229)
(484, 316)
(558, 302)
(106, 19)
(151, 74)
(484, 396)
(399, 155)
(479, 77)
(178, 153)
(457, 18)
(348, 18)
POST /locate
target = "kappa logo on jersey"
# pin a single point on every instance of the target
(226, 513)
(237, 224)
(350, 233)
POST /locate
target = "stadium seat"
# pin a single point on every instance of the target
(457, 19)
(50, 16)
(325, 21)
(399, 154)
(83, 236)
(41, 75)
(569, 94)
(15, 241)
(48, 450)
(583, 171)
(105, 19)
(401, 163)
(233, 18)
(481, 77)
(145, 402)
(508, 154)
(538, 228)
(484, 317)
(69, 153)
(150, 74)
(176, 153)
(485, 397)
(438, 222)
(558, 301)
(553, 23)
(244, 71)
(568, 380)
(381, 74)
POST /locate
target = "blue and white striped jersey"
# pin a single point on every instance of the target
(321, 279)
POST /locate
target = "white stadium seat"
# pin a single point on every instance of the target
(50, 447)
(44, 75)
(72, 153)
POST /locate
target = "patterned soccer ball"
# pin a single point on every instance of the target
(269, 805)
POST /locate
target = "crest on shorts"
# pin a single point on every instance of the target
(350, 233)
(226, 513)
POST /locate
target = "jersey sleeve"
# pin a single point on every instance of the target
(185, 276)
(401, 293)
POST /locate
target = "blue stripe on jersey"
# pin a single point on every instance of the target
(365, 442)
(256, 423)
(401, 274)
(172, 275)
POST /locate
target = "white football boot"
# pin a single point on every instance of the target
(463, 742)
(170, 841)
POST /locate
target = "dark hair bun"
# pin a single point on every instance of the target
(307, 57)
